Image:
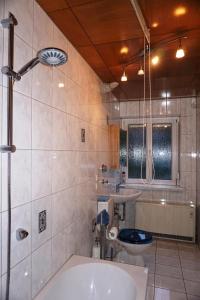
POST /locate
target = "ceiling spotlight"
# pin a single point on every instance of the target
(180, 11)
(180, 51)
(155, 60)
(140, 71)
(155, 24)
(124, 50)
(124, 77)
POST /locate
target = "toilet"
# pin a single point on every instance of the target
(135, 241)
(131, 243)
(130, 240)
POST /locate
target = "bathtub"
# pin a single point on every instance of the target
(83, 278)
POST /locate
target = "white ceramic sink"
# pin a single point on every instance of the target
(125, 195)
(93, 281)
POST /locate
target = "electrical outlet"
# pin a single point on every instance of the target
(42, 220)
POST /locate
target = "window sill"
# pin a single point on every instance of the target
(151, 187)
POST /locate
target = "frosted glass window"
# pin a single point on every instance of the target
(162, 151)
(136, 151)
(123, 148)
(150, 152)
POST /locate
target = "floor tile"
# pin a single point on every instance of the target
(170, 283)
(163, 294)
(190, 255)
(167, 252)
(168, 261)
(150, 250)
(154, 243)
(190, 264)
(182, 245)
(191, 275)
(149, 258)
(192, 288)
(151, 267)
(151, 279)
(168, 271)
(192, 297)
(150, 293)
(167, 244)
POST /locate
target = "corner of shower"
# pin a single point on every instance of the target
(49, 57)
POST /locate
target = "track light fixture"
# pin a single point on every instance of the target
(180, 51)
(124, 77)
(140, 71)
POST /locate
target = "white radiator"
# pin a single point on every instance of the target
(176, 220)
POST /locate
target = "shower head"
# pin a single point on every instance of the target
(52, 56)
(48, 56)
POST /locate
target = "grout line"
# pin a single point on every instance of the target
(182, 272)
(154, 290)
(49, 195)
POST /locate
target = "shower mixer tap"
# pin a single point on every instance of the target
(21, 234)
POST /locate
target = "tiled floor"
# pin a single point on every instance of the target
(174, 271)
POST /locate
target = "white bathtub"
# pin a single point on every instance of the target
(83, 278)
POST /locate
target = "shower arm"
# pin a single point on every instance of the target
(27, 67)
(6, 70)
(9, 23)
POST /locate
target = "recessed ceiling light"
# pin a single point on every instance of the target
(180, 11)
(155, 60)
(124, 50)
(154, 24)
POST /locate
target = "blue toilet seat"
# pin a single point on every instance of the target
(135, 236)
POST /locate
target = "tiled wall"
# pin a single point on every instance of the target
(51, 169)
(186, 110)
(198, 169)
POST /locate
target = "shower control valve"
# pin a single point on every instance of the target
(21, 234)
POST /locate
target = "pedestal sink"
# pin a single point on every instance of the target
(125, 195)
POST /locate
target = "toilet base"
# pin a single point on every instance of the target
(127, 258)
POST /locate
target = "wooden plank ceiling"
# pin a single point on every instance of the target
(100, 29)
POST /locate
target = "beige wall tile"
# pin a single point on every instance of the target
(41, 267)
(42, 125)
(42, 84)
(42, 29)
(23, 12)
(20, 281)
(41, 174)
(21, 217)
(20, 176)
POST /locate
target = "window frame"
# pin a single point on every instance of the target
(175, 149)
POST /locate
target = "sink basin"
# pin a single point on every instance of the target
(93, 281)
(125, 195)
